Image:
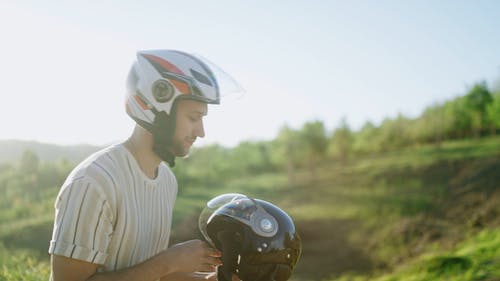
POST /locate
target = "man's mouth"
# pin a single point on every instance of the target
(190, 141)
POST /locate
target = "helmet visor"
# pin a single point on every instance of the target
(229, 88)
(212, 206)
(250, 213)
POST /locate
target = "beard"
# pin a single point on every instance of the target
(179, 148)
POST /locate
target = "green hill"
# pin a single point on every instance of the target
(377, 212)
(421, 213)
(11, 150)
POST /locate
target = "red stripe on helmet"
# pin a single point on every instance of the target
(181, 86)
(164, 64)
(141, 102)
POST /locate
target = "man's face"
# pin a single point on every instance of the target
(188, 125)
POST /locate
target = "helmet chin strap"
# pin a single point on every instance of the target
(231, 247)
(163, 130)
(162, 150)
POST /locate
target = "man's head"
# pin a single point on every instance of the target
(167, 94)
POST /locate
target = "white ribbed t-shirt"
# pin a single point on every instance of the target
(108, 212)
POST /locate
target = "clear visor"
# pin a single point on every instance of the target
(229, 88)
(241, 208)
(250, 213)
(212, 206)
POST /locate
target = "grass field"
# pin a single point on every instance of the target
(378, 211)
(475, 258)
(424, 213)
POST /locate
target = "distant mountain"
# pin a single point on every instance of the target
(11, 151)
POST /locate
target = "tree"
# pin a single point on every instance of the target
(207, 164)
(288, 151)
(493, 114)
(315, 139)
(431, 125)
(395, 133)
(462, 122)
(29, 162)
(250, 157)
(364, 139)
(342, 141)
(477, 100)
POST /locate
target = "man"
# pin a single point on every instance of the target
(113, 214)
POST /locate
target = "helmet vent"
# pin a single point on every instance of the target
(201, 77)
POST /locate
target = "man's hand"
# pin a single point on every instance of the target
(186, 258)
(192, 256)
(197, 276)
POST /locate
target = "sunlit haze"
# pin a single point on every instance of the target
(63, 66)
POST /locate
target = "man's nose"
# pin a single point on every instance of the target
(200, 130)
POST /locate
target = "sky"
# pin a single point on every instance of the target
(63, 63)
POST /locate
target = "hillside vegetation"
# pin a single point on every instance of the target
(410, 199)
(381, 211)
(12, 150)
(422, 212)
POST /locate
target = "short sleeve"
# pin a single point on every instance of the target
(83, 223)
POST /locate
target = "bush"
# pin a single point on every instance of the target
(22, 265)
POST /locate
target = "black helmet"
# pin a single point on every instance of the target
(257, 239)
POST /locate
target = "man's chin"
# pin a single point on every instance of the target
(180, 149)
(181, 152)
(183, 155)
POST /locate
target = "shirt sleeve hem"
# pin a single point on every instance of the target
(73, 251)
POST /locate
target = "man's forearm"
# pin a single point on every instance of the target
(64, 268)
(183, 276)
(151, 269)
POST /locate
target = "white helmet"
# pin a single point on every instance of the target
(160, 78)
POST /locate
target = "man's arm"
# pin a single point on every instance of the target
(190, 256)
(205, 276)
(190, 277)
(64, 268)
